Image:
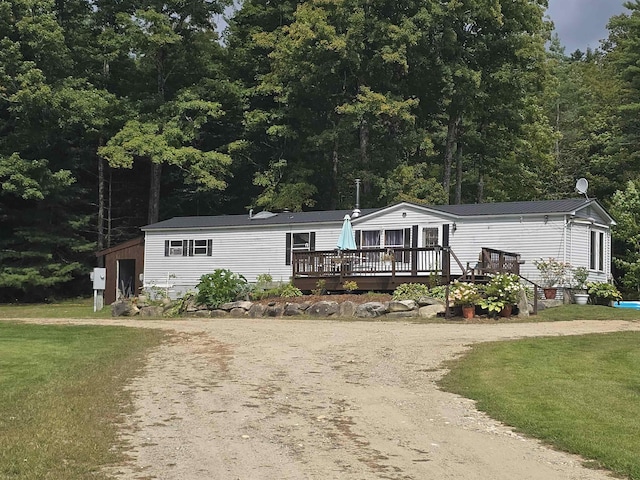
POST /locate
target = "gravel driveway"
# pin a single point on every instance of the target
(288, 399)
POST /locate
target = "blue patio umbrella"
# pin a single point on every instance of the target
(346, 240)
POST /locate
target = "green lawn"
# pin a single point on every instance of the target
(76, 308)
(580, 394)
(61, 397)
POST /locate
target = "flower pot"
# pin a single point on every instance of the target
(506, 311)
(468, 311)
(549, 293)
(581, 298)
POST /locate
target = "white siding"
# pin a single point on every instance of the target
(248, 252)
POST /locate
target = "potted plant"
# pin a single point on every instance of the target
(465, 295)
(552, 274)
(580, 275)
(603, 293)
(501, 293)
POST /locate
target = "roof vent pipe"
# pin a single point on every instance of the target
(356, 211)
(250, 213)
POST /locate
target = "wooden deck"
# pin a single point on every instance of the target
(371, 268)
(378, 269)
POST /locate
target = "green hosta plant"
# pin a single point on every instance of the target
(603, 291)
(220, 287)
(411, 291)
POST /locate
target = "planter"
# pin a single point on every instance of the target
(581, 298)
(468, 311)
(506, 311)
(550, 293)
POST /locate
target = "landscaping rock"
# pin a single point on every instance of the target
(425, 301)
(323, 309)
(431, 311)
(523, 304)
(204, 314)
(238, 312)
(347, 309)
(123, 308)
(402, 305)
(239, 304)
(215, 313)
(273, 310)
(256, 310)
(151, 311)
(371, 310)
(292, 309)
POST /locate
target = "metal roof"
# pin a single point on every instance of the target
(281, 218)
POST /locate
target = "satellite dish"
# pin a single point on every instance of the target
(582, 186)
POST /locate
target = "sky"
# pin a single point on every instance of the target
(583, 23)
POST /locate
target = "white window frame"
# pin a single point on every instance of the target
(597, 247)
(200, 247)
(176, 248)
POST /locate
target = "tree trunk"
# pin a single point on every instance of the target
(335, 158)
(452, 137)
(110, 209)
(458, 199)
(364, 155)
(100, 207)
(480, 198)
(154, 193)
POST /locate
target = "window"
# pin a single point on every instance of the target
(299, 242)
(200, 247)
(371, 239)
(394, 238)
(174, 248)
(596, 253)
(430, 236)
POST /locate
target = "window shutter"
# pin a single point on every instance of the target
(210, 247)
(407, 244)
(185, 248)
(191, 248)
(312, 241)
(414, 254)
(288, 250)
(445, 235)
(166, 248)
(414, 236)
(358, 239)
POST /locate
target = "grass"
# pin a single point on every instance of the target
(580, 394)
(61, 397)
(586, 312)
(76, 308)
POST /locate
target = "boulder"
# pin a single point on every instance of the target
(273, 310)
(213, 313)
(123, 308)
(523, 304)
(237, 312)
(431, 311)
(323, 309)
(151, 311)
(203, 314)
(371, 310)
(347, 309)
(256, 310)
(424, 301)
(402, 305)
(292, 309)
(239, 304)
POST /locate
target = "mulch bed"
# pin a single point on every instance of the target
(353, 297)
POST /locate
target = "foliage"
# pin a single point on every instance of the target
(552, 272)
(350, 286)
(603, 291)
(289, 290)
(219, 287)
(438, 291)
(574, 392)
(502, 290)
(465, 293)
(580, 276)
(321, 287)
(410, 291)
(625, 208)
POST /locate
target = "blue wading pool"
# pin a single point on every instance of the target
(635, 304)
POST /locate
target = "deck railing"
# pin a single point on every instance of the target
(497, 261)
(372, 262)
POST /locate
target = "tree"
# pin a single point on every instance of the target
(625, 208)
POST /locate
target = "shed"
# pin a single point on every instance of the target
(125, 264)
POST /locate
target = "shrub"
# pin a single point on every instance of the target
(502, 290)
(289, 290)
(321, 287)
(465, 294)
(603, 292)
(552, 271)
(411, 291)
(220, 287)
(350, 286)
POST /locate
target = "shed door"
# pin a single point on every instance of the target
(126, 279)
